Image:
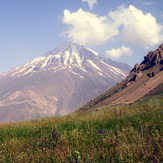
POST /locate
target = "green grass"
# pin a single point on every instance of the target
(131, 133)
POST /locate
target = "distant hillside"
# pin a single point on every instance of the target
(144, 80)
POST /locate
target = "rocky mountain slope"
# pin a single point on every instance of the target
(144, 79)
(57, 83)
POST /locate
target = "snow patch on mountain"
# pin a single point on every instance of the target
(35, 61)
(31, 69)
(93, 51)
(76, 74)
(83, 69)
(94, 65)
(117, 71)
(101, 74)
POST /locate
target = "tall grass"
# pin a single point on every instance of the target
(131, 133)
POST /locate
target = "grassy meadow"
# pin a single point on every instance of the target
(131, 133)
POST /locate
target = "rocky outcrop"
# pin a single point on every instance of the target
(151, 65)
(154, 57)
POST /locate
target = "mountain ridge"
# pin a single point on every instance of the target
(142, 80)
(56, 83)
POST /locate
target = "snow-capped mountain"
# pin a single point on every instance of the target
(57, 83)
(68, 56)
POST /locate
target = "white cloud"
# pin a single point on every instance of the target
(87, 28)
(91, 3)
(117, 53)
(138, 28)
(130, 24)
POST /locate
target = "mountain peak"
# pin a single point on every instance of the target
(71, 46)
(66, 46)
(70, 55)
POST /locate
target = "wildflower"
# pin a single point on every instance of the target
(100, 131)
(140, 128)
(54, 134)
(154, 159)
(76, 160)
(116, 133)
(116, 115)
(72, 160)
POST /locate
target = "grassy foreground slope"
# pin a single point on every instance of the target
(131, 133)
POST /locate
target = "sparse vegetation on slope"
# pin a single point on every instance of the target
(131, 133)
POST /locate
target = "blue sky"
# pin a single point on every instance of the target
(121, 30)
